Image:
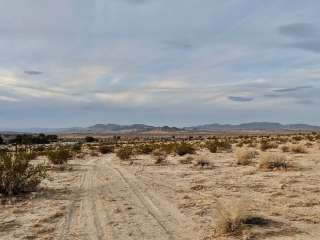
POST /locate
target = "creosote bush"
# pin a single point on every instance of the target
(273, 161)
(212, 146)
(17, 175)
(59, 156)
(125, 153)
(145, 149)
(77, 148)
(90, 139)
(105, 149)
(184, 148)
(265, 145)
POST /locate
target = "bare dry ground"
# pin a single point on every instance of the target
(104, 198)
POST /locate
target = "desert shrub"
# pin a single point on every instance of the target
(212, 146)
(1, 140)
(240, 144)
(234, 219)
(285, 148)
(224, 145)
(145, 149)
(17, 175)
(59, 156)
(40, 149)
(203, 163)
(94, 153)
(273, 161)
(34, 139)
(309, 144)
(168, 147)
(298, 148)
(160, 156)
(76, 147)
(184, 148)
(31, 155)
(125, 153)
(297, 138)
(186, 160)
(265, 145)
(90, 139)
(105, 149)
(244, 156)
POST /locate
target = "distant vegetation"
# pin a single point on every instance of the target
(33, 139)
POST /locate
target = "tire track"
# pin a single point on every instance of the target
(168, 223)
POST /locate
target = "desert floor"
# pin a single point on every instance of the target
(99, 198)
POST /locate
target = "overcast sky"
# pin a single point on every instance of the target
(170, 62)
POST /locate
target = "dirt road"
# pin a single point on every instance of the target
(111, 203)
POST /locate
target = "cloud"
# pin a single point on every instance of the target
(299, 30)
(304, 36)
(193, 60)
(33, 72)
(179, 45)
(240, 99)
(8, 99)
(312, 45)
(136, 1)
(294, 89)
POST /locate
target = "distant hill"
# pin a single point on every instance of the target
(264, 126)
(141, 128)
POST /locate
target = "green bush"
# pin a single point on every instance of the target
(17, 175)
(76, 147)
(125, 153)
(59, 156)
(145, 149)
(184, 148)
(104, 149)
(224, 145)
(90, 139)
(212, 146)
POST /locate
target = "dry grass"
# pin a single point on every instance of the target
(186, 160)
(285, 148)
(160, 156)
(273, 161)
(298, 148)
(244, 156)
(233, 219)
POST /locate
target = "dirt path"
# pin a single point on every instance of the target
(111, 203)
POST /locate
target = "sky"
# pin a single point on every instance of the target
(70, 63)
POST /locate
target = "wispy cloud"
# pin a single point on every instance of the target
(304, 36)
(33, 72)
(293, 89)
(240, 99)
(300, 30)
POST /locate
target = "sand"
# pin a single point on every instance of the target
(99, 198)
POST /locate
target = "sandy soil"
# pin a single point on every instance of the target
(104, 198)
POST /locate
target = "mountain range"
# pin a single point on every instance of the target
(141, 128)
